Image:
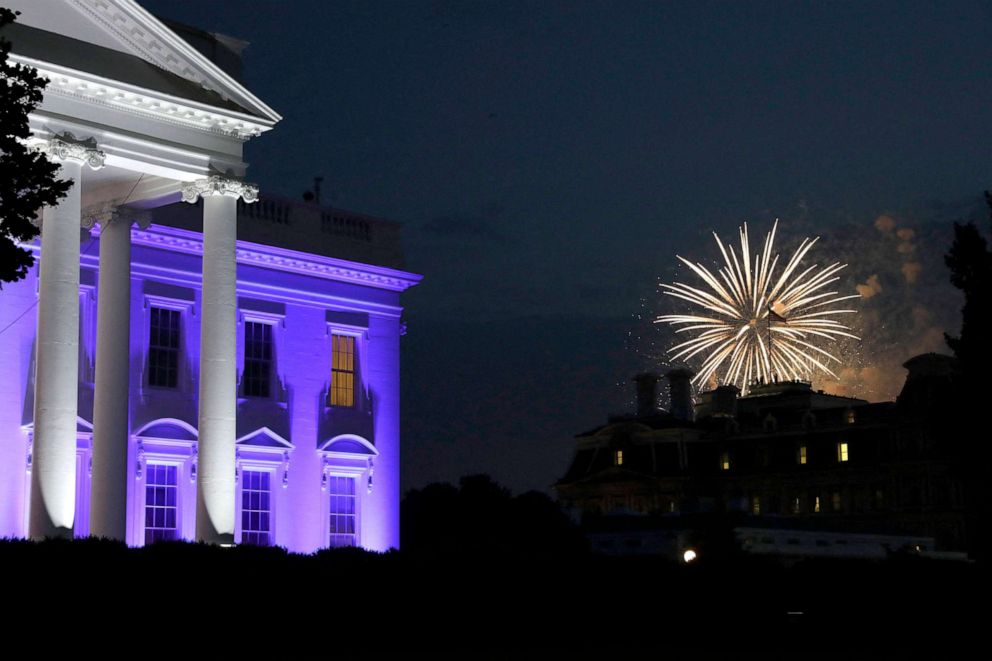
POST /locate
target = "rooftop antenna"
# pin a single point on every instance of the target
(316, 189)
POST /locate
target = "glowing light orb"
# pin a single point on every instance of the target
(757, 323)
(688, 556)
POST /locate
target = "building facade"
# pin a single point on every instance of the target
(189, 359)
(783, 457)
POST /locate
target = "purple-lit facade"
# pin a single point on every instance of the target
(310, 473)
(223, 366)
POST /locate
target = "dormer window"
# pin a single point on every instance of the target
(618, 458)
(849, 417)
(801, 455)
(725, 461)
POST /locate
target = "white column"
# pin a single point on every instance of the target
(53, 471)
(215, 505)
(108, 497)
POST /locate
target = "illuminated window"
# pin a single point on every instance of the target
(725, 461)
(163, 348)
(342, 370)
(755, 505)
(842, 451)
(256, 508)
(618, 458)
(161, 509)
(258, 359)
(850, 417)
(816, 504)
(801, 455)
(341, 529)
(796, 505)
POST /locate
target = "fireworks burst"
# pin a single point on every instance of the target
(757, 324)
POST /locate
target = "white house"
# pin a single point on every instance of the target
(189, 359)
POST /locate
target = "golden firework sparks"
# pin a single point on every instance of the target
(756, 323)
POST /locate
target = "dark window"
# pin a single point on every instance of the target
(161, 486)
(258, 359)
(163, 348)
(256, 509)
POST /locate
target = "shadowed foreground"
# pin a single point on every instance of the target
(354, 602)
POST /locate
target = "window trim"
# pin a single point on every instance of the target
(278, 323)
(270, 469)
(185, 309)
(274, 459)
(346, 464)
(178, 452)
(360, 335)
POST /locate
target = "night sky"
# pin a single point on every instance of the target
(549, 159)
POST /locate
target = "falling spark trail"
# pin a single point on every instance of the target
(755, 325)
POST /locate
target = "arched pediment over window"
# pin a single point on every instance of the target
(349, 444)
(170, 429)
(82, 426)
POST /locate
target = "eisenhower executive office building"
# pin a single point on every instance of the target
(187, 361)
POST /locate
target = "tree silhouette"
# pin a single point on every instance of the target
(970, 263)
(28, 180)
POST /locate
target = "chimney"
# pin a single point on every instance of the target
(647, 393)
(680, 393)
(719, 403)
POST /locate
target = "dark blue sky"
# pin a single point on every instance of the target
(548, 159)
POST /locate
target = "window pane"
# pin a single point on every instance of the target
(255, 512)
(161, 510)
(163, 348)
(341, 521)
(342, 370)
(258, 359)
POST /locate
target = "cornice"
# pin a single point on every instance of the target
(281, 259)
(134, 100)
(154, 42)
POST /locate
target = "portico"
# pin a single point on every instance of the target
(135, 124)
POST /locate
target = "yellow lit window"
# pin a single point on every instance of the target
(725, 461)
(842, 451)
(816, 504)
(801, 455)
(755, 505)
(618, 458)
(342, 370)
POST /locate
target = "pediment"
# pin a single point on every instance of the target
(126, 28)
(168, 429)
(82, 426)
(349, 444)
(265, 438)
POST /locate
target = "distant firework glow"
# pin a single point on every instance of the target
(755, 323)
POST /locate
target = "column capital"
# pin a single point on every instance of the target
(104, 216)
(67, 147)
(219, 184)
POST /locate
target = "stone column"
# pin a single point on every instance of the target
(215, 494)
(53, 471)
(108, 497)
